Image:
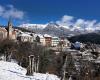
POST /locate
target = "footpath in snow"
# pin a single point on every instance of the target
(12, 71)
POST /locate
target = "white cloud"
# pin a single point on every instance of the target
(90, 23)
(97, 26)
(2, 9)
(85, 24)
(66, 20)
(10, 11)
(78, 23)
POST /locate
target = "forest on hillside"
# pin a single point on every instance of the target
(84, 38)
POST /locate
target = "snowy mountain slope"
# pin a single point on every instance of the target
(50, 28)
(71, 27)
(42, 26)
(12, 71)
(33, 26)
(58, 30)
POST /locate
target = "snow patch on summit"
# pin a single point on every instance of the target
(33, 26)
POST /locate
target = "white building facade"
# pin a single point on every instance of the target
(39, 38)
(55, 41)
(25, 37)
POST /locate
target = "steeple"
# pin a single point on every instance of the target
(9, 29)
(9, 23)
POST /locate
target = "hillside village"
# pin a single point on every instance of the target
(43, 53)
(44, 39)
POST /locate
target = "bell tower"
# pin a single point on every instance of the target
(10, 29)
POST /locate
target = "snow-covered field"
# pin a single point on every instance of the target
(12, 71)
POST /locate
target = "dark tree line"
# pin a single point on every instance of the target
(91, 37)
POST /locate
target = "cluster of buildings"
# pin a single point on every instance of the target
(47, 40)
(8, 32)
(44, 39)
(85, 60)
(78, 63)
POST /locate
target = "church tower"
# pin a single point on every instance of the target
(9, 29)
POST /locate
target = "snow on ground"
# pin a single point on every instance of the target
(12, 71)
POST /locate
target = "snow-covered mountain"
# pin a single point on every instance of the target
(56, 29)
(41, 26)
(33, 26)
(50, 28)
(12, 71)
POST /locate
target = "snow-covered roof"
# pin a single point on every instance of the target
(98, 58)
(86, 54)
(24, 34)
(40, 35)
(47, 35)
(97, 61)
(55, 37)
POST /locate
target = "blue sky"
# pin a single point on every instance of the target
(44, 11)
